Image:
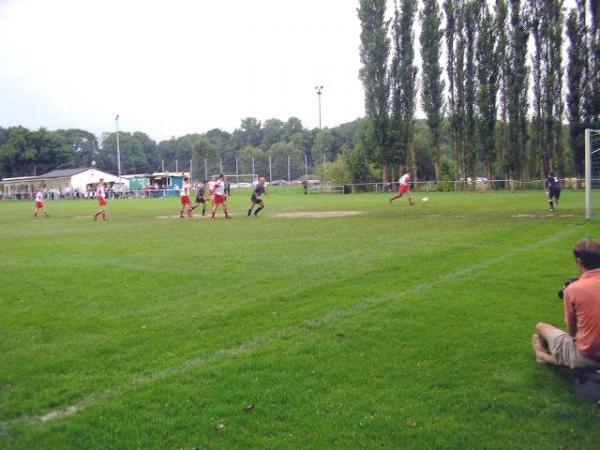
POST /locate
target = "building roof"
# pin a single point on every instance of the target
(63, 173)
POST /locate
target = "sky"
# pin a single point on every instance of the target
(174, 67)
(180, 66)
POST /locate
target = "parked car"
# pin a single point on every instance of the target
(279, 183)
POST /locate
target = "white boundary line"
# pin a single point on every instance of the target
(270, 337)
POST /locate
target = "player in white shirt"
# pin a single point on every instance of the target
(184, 194)
(404, 188)
(101, 196)
(211, 191)
(39, 204)
(219, 197)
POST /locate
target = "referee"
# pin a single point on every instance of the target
(553, 189)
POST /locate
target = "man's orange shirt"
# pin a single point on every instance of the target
(582, 313)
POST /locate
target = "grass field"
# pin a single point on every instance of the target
(396, 328)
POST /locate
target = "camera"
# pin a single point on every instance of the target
(561, 293)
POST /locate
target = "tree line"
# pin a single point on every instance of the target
(503, 105)
(497, 108)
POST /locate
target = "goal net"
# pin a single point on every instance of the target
(241, 177)
(592, 173)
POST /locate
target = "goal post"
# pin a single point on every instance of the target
(592, 169)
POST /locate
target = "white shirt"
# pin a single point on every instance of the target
(219, 187)
(39, 197)
(404, 179)
(100, 191)
(185, 190)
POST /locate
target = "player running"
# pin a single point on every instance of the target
(200, 197)
(553, 191)
(101, 196)
(256, 199)
(184, 195)
(404, 188)
(220, 198)
(39, 204)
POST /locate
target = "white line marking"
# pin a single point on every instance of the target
(270, 337)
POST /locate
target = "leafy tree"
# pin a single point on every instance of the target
(83, 143)
(292, 127)
(517, 100)
(576, 33)
(272, 133)
(488, 78)
(374, 52)
(34, 153)
(432, 83)
(403, 83)
(323, 145)
(249, 133)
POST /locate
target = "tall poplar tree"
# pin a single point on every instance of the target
(517, 89)
(488, 77)
(374, 53)
(403, 83)
(536, 11)
(431, 79)
(576, 73)
(503, 68)
(471, 19)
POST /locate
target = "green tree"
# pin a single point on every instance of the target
(272, 133)
(83, 143)
(576, 33)
(431, 80)
(374, 52)
(403, 84)
(488, 78)
(34, 153)
(517, 101)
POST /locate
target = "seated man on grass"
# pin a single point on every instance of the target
(579, 348)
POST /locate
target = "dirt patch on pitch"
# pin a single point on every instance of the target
(317, 214)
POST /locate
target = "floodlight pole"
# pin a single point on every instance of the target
(319, 90)
(118, 152)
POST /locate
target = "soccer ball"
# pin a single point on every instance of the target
(425, 199)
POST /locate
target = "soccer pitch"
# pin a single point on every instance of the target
(395, 327)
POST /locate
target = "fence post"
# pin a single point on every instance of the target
(270, 170)
(305, 166)
(237, 171)
(191, 170)
(205, 169)
(289, 179)
(253, 172)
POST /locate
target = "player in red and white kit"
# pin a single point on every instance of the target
(219, 197)
(39, 204)
(211, 191)
(404, 188)
(101, 196)
(184, 194)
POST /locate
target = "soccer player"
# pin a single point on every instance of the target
(184, 194)
(404, 188)
(211, 190)
(39, 204)
(256, 199)
(200, 199)
(220, 198)
(553, 190)
(101, 196)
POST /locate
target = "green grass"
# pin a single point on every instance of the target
(398, 328)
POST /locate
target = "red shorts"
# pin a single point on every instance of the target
(185, 200)
(39, 205)
(102, 201)
(403, 188)
(219, 199)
